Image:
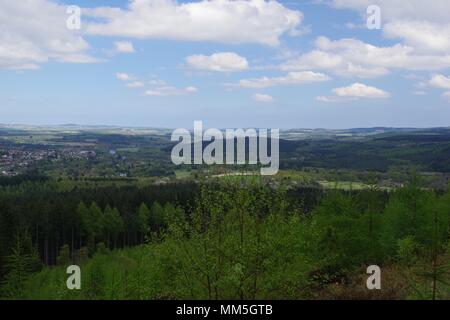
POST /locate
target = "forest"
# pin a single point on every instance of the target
(111, 153)
(226, 238)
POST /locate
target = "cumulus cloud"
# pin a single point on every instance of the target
(422, 35)
(338, 63)
(157, 82)
(167, 91)
(238, 21)
(359, 90)
(422, 28)
(136, 84)
(264, 98)
(124, 47)
(158, 88)
(328, 99)
(35, 32)
(440, 81)
(420, 24)
(355, 58)
(124, 76)
(401, 9)
(354, 92)
(292, 78)
(220, 62)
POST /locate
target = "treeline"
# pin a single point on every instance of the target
(428, 152)
(28, 177)
(108, 227)
(117, 216)
(82, 217)
(247, 240)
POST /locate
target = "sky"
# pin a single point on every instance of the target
(229, 63)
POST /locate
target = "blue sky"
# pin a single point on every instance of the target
(285, 64)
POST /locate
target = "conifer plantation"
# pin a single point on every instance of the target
(230, 238)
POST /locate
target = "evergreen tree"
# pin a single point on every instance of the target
(114, 224)
(85, 226)
(64, 257)
(143, 220)
(22, 261)
(156, 217)
(95, 221)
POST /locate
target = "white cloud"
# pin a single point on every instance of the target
(157, 82)
(355, 58)
(423, 25)
(335, 62)
(317, 59)
(440, 81)
(191, 89)
(124, 47)
(292, 78)
(359, 90)
(136, 84)
(328, 99)
(35, 32)
(167, 91)
(264, 98)
(158, 88)
(422, 35)
(124, 76)
(354, 92)
(221, 62)
(401, 9)
(238, 21)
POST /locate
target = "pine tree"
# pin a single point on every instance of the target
(96, 220)
(22, 261)
(143, 220)
(157, 217)
(112, 224)
(64, 257)
(85, 227)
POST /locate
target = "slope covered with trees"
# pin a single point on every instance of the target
(228, 239)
